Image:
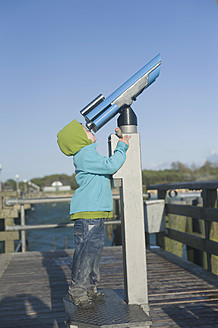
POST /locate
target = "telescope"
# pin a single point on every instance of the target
(99, 111)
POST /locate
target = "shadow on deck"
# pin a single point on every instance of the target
(33, 284)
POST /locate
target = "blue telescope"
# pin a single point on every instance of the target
(101, 110)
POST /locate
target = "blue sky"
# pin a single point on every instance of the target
(57, 55)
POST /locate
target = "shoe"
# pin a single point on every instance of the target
(85, 304)
(95, 295)
(80, 302)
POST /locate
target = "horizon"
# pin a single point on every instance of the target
(59, 55)
(191, 167)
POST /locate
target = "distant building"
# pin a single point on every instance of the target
(56, 186)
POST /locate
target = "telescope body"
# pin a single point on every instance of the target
(102, 110)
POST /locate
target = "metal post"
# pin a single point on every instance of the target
(160, 240)
(25, 187)
(23, 232)
(129, 179)
(17, 185)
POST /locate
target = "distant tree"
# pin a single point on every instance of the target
(178, 166)
(10, 183)
(194, 167)
(49, 179)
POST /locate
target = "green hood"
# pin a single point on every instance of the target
(72, 138)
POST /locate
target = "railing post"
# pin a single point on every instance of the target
(209, 200)
(161, 194)
(23, 232)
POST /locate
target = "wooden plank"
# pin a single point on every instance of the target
(203, 213)
(8, 193)
(8, 213)
(6, 235)
(193, 241)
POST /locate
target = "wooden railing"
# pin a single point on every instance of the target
(202, 246)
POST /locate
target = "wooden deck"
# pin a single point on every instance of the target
(32, 286)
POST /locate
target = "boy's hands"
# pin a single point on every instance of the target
(125, 139)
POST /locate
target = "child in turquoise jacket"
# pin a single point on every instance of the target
(91, 203)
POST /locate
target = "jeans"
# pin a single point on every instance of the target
(89, 242)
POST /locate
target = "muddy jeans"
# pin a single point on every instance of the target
(89, 242)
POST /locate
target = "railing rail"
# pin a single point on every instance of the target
(203, 213)
(32, 201)
(208, 213)
(196, 185)
(23, 227)
(199, 243)
(50, 226)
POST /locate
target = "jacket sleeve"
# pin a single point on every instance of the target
(98, 164)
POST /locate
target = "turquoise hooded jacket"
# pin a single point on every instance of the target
(92, 170)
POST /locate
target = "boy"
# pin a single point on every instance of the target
(91, 203)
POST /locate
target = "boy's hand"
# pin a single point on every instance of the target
(125, 139)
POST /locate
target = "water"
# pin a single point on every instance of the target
(43, 240)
